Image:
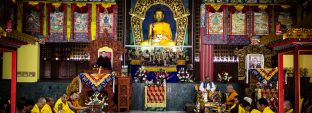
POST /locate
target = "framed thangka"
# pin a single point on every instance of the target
(261, 23)
(251, 1)
(106, 22)
(56, 22)
(215, 23)
(81, 22)
(285, 19)
(32, 21)
(266, 1)
(280, 1)
(238, 23)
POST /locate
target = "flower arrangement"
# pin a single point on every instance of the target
(224, 77)
(141, 75)
(98, 99)
(184, 76)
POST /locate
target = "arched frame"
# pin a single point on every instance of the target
(116, 46)
(180, 15)
(251, 49)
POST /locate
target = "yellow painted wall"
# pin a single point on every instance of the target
(304, 62)
(28, 60)
(7, 58)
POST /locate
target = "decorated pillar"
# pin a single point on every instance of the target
(297, 80)
(280, 83)
(13, 82)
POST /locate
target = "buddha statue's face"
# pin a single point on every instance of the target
(159, 16)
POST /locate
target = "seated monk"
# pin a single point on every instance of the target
(160, 33)
(41, 106)
(74, 103)
(207, 88)
(61, 105)
(104, 62)
(232, 94)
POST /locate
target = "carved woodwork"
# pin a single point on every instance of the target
(252, 49)
(124, 93)
(115, 45)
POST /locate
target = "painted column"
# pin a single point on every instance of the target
(280, 83)
(297, 80)
(13, 82)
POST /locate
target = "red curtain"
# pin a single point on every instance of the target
(206, 61)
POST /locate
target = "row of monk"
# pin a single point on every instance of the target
(65, 104)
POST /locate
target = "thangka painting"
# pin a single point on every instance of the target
(235, 1)
(285, 19)
(251, 1)
(266, 1)
(81, 22)
(106, 22)
(32, 21)
(56, 22)
(215, 21)
(280, 1)
(238, 24)
(261, 23)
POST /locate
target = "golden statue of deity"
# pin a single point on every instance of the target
(159, 32)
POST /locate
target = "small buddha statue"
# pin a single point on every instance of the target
(160, 33)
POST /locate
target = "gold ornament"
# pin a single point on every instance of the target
(33, 3)
(216, 6)
(239, 7)
(80, 5)
(262, 7)
(106, 5)
(56, 5)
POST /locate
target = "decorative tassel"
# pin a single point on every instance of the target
(48, 19)
(73, 21)
(41, 19)
(208, 24)
(223, 33)
(246, 23)
(89, 21)
(64, 24)
(269, 20)
(253, 21)
(231, 23)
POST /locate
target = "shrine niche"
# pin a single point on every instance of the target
(176, 7)
(252, 50)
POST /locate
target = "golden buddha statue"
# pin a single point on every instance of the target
(159, 32)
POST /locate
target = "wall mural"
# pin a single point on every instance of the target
(285, 19)
(106, 22)
(238, 24)
(261, 23)
(32, 23)
(56, 22)
(215, 21)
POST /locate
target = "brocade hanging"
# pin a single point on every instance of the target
(215, 21)
(96, 82)
(238, 24)
(265, 75)
(261, 24)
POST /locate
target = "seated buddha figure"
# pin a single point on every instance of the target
(159, 32)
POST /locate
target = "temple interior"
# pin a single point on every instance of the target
(152, 56)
